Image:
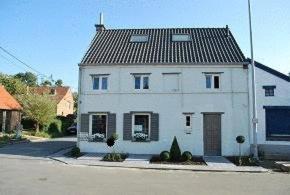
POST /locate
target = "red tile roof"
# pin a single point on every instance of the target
(7, 101)
(59, 94)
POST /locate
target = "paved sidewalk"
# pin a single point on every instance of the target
(92, 160)
(218, 161)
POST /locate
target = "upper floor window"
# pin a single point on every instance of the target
(100, 82)
(141, 81)
(181, 37)
(139, 38)
(212, 81)
(269, 90)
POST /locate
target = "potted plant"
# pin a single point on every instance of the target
(140, 137)
(98, 137)
(240, 140)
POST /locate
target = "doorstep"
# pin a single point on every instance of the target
(135, 161)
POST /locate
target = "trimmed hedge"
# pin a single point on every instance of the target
(186, 156)
(165, 156)
(175, 153)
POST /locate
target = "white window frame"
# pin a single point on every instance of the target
(212, 81)
(91, 123)
(141, 81)
(100, 82)
(133, 124)
(190, 121)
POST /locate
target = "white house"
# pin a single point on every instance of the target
(273, 106)
(149, 85)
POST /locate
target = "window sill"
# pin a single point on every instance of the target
(135, 140)
(278, 138)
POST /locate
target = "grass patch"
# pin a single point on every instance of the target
(195, 160)
(9, 139)
(245, 160)
(44, 133)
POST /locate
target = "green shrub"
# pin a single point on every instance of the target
(186, 156)
(44, 134)
(75, 152)
(240, 139)
(112, 139)
(175, 153)
(164, 156)
(155, 158)
(114, 157)
(66, 121)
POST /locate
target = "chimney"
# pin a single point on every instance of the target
(100, 27)
(227, 31)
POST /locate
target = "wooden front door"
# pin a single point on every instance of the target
(212, 134)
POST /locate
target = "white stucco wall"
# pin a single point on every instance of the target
(121, 97)
(281, 98)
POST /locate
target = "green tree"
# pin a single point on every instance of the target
(58, 82)
(13, 85)
(46, 83)
(28, 78)
(175, 153)
(75, 97)
(39, 108)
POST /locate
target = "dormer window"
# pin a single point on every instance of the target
(139, 38)
(181, 37)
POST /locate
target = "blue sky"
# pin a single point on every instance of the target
(53, 35)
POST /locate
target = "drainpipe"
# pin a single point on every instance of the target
(255, 118)
(79, 105)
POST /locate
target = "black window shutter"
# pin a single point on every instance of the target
(111, 124)
(127, 126)
(85, 121)
(154, 134)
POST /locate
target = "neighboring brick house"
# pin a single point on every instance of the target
(63, 97)
(10, 111)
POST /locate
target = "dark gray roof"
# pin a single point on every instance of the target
(208, 46)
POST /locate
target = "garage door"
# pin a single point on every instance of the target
(277, 122)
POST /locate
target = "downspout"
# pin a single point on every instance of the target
(255, 119)
(79, 105)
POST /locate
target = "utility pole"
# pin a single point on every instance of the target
(254, 100)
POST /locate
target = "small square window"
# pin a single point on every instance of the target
(100, 82)
(212, 81)
(269, 90)
(141, 82)
(181, 37)
(139, 38)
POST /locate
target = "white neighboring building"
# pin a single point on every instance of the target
(149, 85)
(273, 105)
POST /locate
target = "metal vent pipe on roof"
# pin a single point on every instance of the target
(227, 31)
(100, 27)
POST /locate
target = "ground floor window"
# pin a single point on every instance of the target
(141, 127)
(99, 126)
(278, 123)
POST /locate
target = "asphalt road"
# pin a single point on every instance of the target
(37, 149)
(33, 176)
